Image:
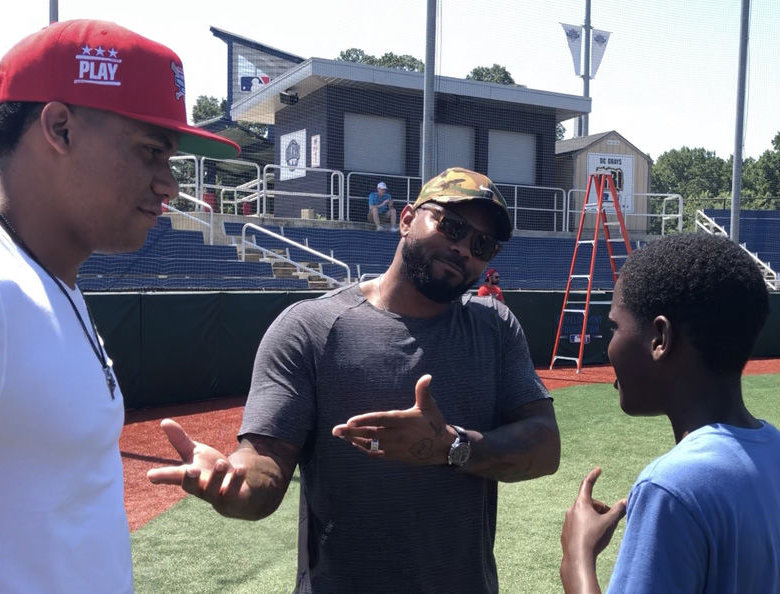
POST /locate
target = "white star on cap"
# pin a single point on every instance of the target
(100, 51)
(112, 52)
(85, 50)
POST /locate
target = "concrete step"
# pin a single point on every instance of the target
(283, 270)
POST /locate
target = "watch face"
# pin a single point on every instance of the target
(460, 453)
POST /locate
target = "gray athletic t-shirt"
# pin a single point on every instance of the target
(379, 525)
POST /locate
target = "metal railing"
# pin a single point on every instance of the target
(660, 210)
(232, 194)
(519, 193)
(205, 206)
(185, 169)
(522, 199)
(294, 244)
(535, 208)
(335, 196)
(677, 201)
(708, 225)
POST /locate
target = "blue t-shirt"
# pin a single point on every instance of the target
(374, 200)
(705, 517)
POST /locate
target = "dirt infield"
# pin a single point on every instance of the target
(144, 446)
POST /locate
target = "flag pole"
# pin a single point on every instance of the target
(586, 70)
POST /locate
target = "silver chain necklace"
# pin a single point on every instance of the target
(379, 291)
(95, 344)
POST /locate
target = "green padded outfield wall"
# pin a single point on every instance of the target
(171, 348)
(179, 347)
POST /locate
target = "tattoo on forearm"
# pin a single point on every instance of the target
(515, 456)
(422, 450)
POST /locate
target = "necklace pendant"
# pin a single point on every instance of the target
(110, 382)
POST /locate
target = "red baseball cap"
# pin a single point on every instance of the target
(104, 66)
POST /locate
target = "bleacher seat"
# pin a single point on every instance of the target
(174, 259)
(179, 260)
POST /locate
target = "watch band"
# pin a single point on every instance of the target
(462, 435)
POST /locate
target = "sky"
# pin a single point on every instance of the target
(668, 77)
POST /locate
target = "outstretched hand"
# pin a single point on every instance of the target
(205, 471)
(418, 435)
(587, 530)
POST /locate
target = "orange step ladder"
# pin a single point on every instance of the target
(606, 194)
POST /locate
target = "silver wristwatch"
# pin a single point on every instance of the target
(460, 450)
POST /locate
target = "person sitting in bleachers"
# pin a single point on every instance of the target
(380, 204)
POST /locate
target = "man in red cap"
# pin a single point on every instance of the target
(399, 462)
(90, 113)
(490, 287)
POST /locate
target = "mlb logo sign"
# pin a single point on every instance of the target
(98, 66)
(577, 338)
(253, 83)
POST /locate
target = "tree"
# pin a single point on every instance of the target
(402, 62)
(495, 74)
(698, 175)
(704, 180)
(253, 128)
(690, 172)
(761, 177)
(208, 108)
(354, 54)
(388, 60)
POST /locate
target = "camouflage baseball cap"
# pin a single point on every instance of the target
(456, 184)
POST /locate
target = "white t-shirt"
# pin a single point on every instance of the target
(63, 526)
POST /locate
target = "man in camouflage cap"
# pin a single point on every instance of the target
(405, 499)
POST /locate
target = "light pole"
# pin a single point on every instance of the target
(429, 105)
(736, 171)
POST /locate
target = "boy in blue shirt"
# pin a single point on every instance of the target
(686, 312)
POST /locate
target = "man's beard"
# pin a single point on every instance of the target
(419, 270)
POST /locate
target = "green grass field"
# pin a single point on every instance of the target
(190, 548)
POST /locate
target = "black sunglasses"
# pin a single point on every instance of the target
(454, 227)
